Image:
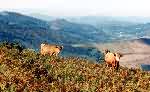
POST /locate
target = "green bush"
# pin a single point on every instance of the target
(26, 70)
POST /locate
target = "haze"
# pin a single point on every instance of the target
(79, 7)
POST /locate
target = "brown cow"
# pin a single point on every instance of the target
(50, 49)
(112, 58)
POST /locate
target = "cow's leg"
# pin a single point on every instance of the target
(53, 53)
(50, 53)
(113, 65)
(117, 65)
(43, 53)
(56, 53)
(107, 65)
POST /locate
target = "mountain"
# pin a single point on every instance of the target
(145, 41)
(116, 27)
(42, 16)
(58, 30)
(77, 33)
(97, 20)
(31, 32)
(128, 32)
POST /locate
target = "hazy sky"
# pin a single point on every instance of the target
(79, 7)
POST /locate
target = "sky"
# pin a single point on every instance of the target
(79, 7)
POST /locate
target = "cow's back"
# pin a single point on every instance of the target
(47, 48)
(109, 57)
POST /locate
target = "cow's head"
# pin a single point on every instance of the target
(60, 47)
(106, 51)
(118, 56)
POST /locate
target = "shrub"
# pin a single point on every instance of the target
(27, 70)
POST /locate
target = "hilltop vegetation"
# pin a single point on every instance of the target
(25, 70)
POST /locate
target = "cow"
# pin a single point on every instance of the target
(50, 49)
(112, 59)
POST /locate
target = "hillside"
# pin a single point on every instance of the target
(15, 26)
(31, 32)
(26, 70)
(116, 27)
(135, 52)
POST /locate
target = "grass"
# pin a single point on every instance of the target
(24, 70)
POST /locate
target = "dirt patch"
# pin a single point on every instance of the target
(135, 52)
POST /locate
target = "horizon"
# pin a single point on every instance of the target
(127, 8)
(132, 19)
(30, 13)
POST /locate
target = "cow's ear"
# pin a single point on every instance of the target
(106, 51)
(62, 47)
(57, 46)
(121, 55)
(114, 54)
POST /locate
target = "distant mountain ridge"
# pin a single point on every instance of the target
(14, 21)
(31, 32)
(115, 27)
(142, 40)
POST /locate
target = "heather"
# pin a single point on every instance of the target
(25, 70)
